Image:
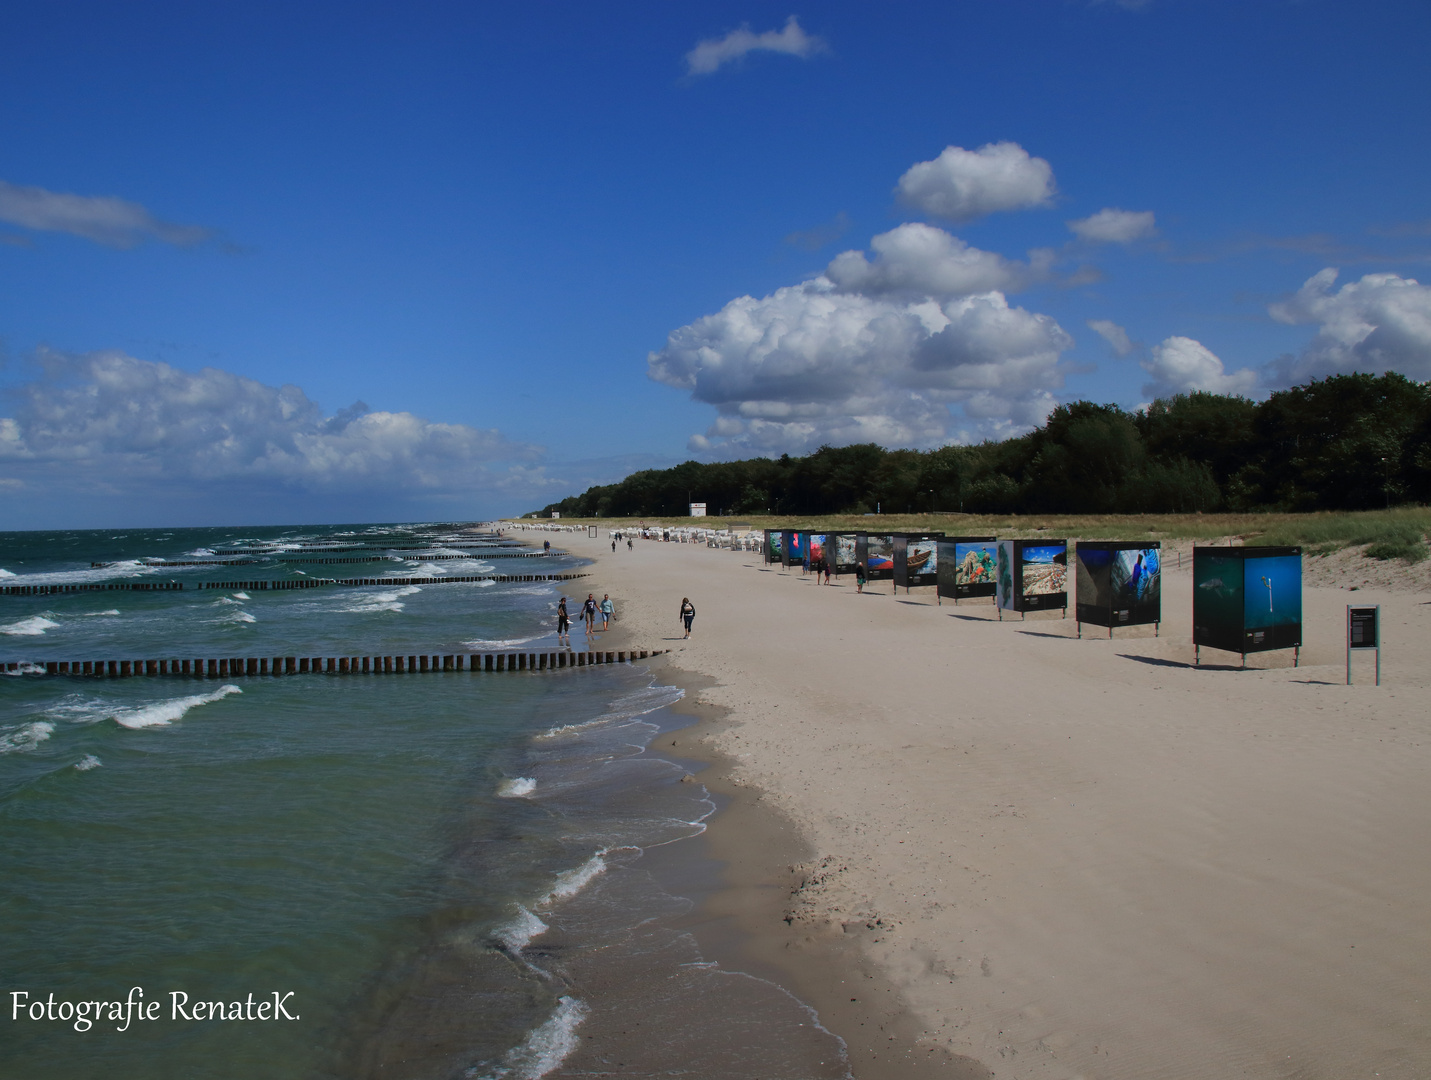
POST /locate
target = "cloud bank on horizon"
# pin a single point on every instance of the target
(915, 343)
(108, 423)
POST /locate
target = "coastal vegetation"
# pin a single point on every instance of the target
(1348, 442)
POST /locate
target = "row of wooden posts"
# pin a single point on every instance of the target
(313, 559)
(228, 668)
(264, 586)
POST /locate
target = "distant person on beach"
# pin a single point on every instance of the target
(859, 577)
(628, 543)
(547, 547)
(825, 567)
(588, 612)
(608, 609)
(613, 547)
(563, 624)
(688, 613)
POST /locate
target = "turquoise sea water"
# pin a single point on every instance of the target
(445, 870)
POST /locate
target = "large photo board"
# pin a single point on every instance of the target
(814, 550)
(876, 551)
(794, 551)
(773, 546)
(1118, 583)
(1031, 575)
(840, 549)
(967, 566)
(1247, 599)
(916, 559)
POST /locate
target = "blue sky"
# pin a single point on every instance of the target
(520, 236)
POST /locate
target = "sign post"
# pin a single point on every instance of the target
(1363, 632)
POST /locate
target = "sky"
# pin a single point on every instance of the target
(273, 263)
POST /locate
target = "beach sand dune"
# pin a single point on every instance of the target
(1077, 858)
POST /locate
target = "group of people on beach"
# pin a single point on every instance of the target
(817, 567)
(590, 609)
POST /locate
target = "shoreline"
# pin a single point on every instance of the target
(762, 857)
(1067, 857)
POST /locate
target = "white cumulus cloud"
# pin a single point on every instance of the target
(919, 259)
(709, 55)
(964, 184)
(104, 219)
(812, 364)
(1117, 338)
(137, 426)
(1378, 324)
(1113, 226)
(1180, 365)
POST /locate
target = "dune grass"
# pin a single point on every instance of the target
(1385, 534)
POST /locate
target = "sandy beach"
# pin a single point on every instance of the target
(983, 847)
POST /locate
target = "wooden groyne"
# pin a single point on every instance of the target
(420, 664)
(268, 586)
(311, 559)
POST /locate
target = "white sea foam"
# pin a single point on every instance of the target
(34, 626)
(239, 617)
(25, 737)
(241, 596)
(199, 553)
(387, 600)
(520, 930)
(5, 573)
(516, 787)
(93, 614)
(623, 710)
(484, 644)
(88, 762)
(544, 1049)
(160, 713)
(571, 882)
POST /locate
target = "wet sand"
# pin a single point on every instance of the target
(1040, 856)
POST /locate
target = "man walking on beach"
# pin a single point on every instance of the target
(688, 613)
(588, 612)
(608, 609)
(563, 624)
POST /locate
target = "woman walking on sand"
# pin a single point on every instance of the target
(563, 624)
(608, 609)
(588, 612)
(859, 577)
(688, 613)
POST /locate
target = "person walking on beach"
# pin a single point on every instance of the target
(588, 613)
(563, 624)
(546, 547)
(859, 577)
(628, 543)
(613, 547)
(608, 609)
(688, 613)
(825, 566)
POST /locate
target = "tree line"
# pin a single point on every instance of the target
(1348, 442)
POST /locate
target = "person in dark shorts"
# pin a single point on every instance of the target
(688, 613)
(563, 624)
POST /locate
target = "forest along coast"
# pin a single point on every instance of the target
(1068, 857)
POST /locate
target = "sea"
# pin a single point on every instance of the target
(441, 875)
